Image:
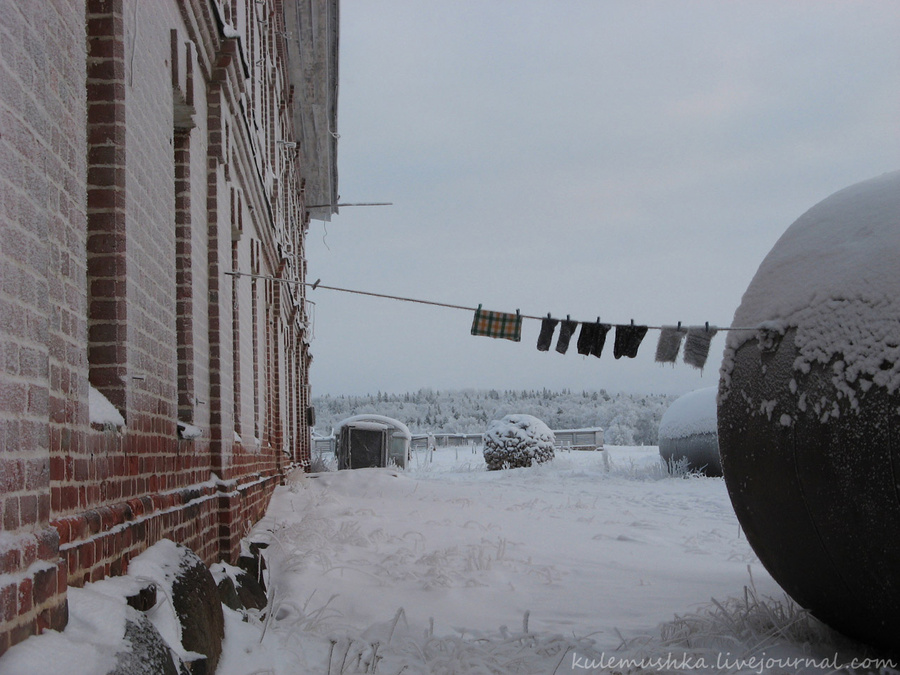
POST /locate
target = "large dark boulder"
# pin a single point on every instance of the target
(180, 575)
(817, 499)
(227, 592)
(237, 589)
(809, 411)
(252, 560)
(688, 434)
(147, 653)
(251, 593)
(196, 602)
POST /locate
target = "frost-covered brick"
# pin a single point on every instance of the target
(516, 441)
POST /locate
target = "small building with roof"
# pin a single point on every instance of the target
(371, 441)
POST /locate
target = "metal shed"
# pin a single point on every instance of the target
(323, 445)
(590, 438)
(371, 441)
(420, 441)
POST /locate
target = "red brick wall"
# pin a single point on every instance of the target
(132, 183)
(43, 363)
(106, 184)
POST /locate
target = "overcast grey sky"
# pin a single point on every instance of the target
(623, 159)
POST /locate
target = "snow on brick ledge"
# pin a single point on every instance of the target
(103, 412)
(189, 432)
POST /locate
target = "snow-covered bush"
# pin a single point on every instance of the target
(517, 440)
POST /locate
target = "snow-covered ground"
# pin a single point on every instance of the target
(568, 567)
(585, 564)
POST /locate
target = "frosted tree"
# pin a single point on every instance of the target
(517, 441)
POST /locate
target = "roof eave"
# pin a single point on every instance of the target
(314, 28)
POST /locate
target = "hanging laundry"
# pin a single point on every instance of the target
(497, 324)
(587, 338)
(628, 339)
(670, 338)
(548, 325)
(600, 338)
(592, 338)
(696, 347)
(567, 327)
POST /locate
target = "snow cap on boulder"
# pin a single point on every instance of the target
(833, 277)
(691, 414)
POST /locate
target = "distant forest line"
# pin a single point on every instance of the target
(627, 419)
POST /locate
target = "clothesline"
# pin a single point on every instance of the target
(316, 285)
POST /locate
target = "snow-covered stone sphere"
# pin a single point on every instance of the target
(809, 411)
(516, 441)
(688, 433)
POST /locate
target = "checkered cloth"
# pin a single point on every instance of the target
(497, 325)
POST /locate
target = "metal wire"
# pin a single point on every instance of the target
(316, 285)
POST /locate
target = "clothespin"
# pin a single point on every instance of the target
(316, 284)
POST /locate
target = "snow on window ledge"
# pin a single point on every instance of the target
(188, 432)
(103, 413)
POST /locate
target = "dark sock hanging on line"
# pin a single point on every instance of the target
(566, 329)
(600, 338)
(548, 325)
(587, 338)
(592, 338)
(628, 339)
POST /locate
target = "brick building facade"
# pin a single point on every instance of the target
(148, 150)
